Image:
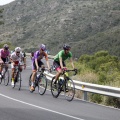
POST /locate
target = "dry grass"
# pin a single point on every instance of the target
(87, 77)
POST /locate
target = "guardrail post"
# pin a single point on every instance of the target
(84, 95)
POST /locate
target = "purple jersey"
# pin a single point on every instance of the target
(39, 56)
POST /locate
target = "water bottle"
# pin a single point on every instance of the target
(60, 81)
(38, 77)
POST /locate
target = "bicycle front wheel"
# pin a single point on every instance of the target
(6, 77)
(55, 88)
(42, 84)
(69, 89)
(18, 80)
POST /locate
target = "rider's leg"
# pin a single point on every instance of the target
(59, 72)
(12, 74)
(1, 66)
(33, 79)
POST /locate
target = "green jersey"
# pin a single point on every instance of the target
(62, 55)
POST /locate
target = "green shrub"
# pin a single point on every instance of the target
(97, 98)
(112, 101)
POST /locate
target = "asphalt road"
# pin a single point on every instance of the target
(23, 105)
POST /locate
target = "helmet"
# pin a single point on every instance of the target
(43, 47)
(5, 46)
(66, 47)
(17, 49)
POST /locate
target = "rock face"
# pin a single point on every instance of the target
(87, 25)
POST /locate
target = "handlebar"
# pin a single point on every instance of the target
(75, 70)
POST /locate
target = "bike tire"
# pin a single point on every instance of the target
(54, 88)
(6, 77)
(19, 80)
(69, 89)
(42, 84)
(29, 84)
(0, 80)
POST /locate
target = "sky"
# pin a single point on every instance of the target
(3, 2)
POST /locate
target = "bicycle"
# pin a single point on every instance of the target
(40, 82)
(65, 85)
(5, 73)
(17, 76)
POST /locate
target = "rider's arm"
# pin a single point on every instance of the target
(0, 55)
(47, 61)
(61, 63)
(36, 63)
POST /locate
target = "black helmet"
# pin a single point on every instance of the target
(66, 47)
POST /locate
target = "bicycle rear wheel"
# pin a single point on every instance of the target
(6, 77)
(42, 84)
(55, 88)
(69, 90)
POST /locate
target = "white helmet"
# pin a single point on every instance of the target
(43, 47)
(17, 49)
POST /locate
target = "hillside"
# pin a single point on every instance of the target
(88, 25)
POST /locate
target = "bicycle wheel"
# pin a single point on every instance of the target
(69, 89)
(0, 79)
(42, 84)
(55, 88)
(30, 80)
(6, 77)
(18, 80)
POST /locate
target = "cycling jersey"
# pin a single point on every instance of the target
(15, 57)
(4, 53)
(62, 55)
(39, 56)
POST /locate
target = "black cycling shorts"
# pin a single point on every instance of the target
(56, 64)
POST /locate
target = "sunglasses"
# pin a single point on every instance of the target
(18, 52)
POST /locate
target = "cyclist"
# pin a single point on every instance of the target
(4, 57)
(32, 55)
(36, 63)
(59, 61)
(16, 58)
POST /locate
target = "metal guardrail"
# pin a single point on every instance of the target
(49, 56)
(88, 87)
(92, 88)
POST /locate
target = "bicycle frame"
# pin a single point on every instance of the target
(40, 82)
(67, 86)
(17, 75)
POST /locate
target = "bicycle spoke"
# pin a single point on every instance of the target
(69, 90)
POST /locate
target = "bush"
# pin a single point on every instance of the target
(112, 101)
(97, 98)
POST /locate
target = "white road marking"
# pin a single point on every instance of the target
(40, 107)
